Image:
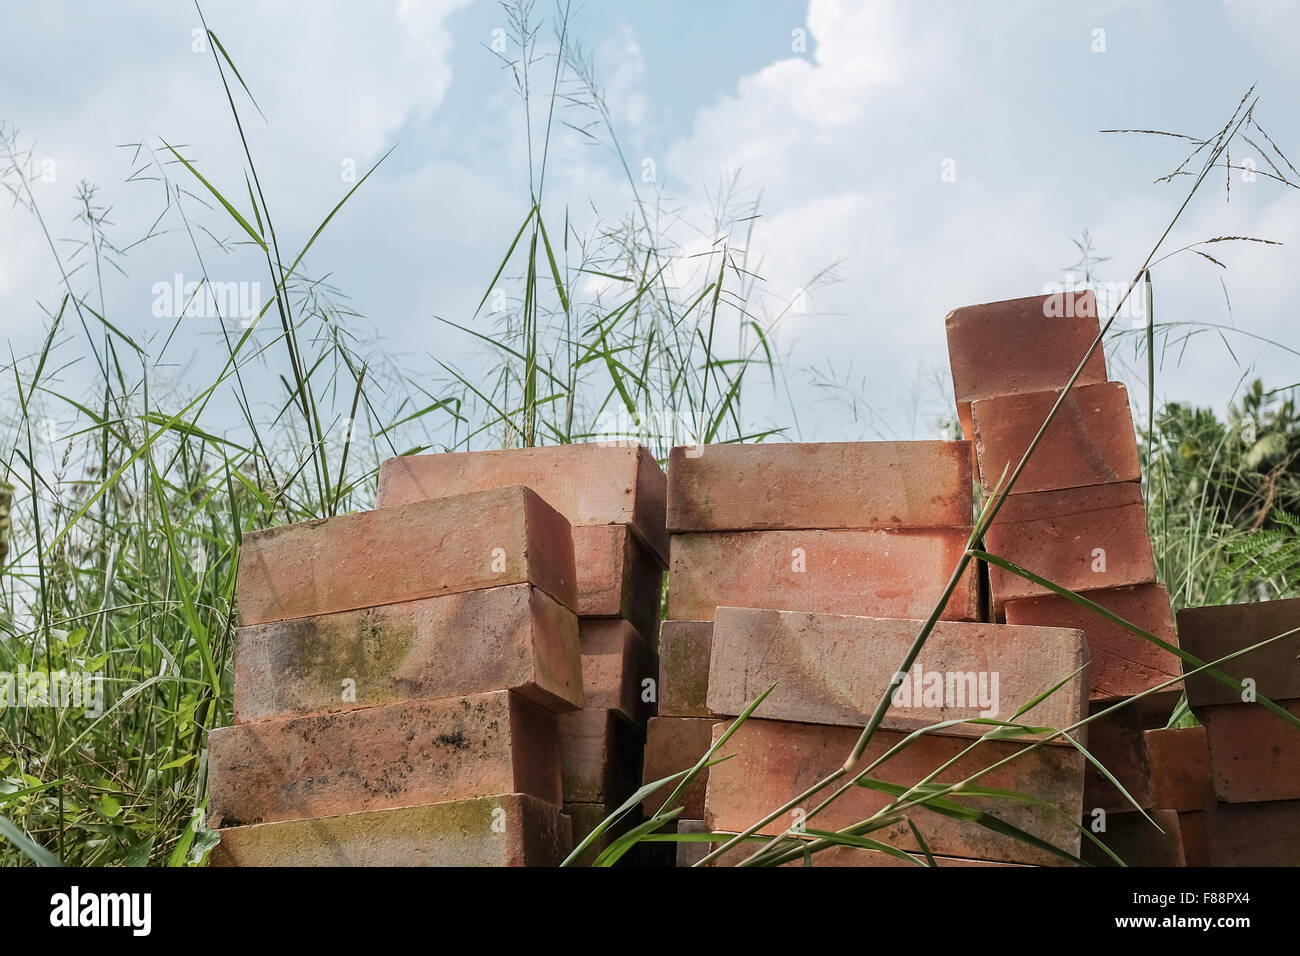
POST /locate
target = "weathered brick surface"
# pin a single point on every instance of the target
(876, 573)
(684, 668)
(590, 484)
(1254, 834)
(600, 756)
(509, 638)
(1116, 741)
(504, 830)
(885, 484)
(833, 669)
(674, 744)
(1134, 839)
(1179, 759)
(486, 539)
(1254, 754)
(1090, 441)
(774, 761)
(382, 757)
(1051, 334)
(1211, 633)
(1084, 539)
(842, 856)
(1123, 664)
(1196, 841)
(618, 576)
(616, 661)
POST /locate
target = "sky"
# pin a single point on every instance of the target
(936, 154)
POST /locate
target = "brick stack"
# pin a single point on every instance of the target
(1180, 781)
(398, 675)
(1253, 754)
(810, 565)
(1075, 515)
(614, 497)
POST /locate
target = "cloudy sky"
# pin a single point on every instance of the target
(938, 154)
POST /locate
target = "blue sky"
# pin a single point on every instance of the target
(940, 153)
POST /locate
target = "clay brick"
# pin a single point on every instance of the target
(1052, 333)
(1180, 768)
(615, 662)
(774, 761)
(480, 540)
(840, 856)
(876, 573)
(1213, 632)
(684, 668)
(1090, 441)
(1254, 754)
(833, 669)
(509, 638)
(848, 485)
(1134, 839)
(1196, 842)
(618, 576)
(1116, 741)
(600, 756)
(1084, 539)
(590, 484)
(587, 816)
(1123, 664)
(674, 744)
(1254, 834)
(382, 757)
(455, 833)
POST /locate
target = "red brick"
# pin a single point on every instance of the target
(1136, 841)
(1057, 534)
(1211, 633)
(775, 761)
(674, 744)
(1196, 844)
(876, 573)
(1090, 441)
(618, 576)
(506, 830)
(1180, 768)
(509, 638)
(1123, 664)
(382, 757)
(838, 856)
(849, 485)
(833, 669)
(1116, 741)
(590, 484)
(1254, 834)
(616, 663)
(1051, 335)
(684, 668)
(1254, 754)
(600, 756)
(480, 540)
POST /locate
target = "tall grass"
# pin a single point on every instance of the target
(132, 493)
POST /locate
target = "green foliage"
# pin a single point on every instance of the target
(1225, 496)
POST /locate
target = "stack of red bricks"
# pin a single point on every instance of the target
(398, 674)
(452, 678)
(614, 497)
(1075, 517)
(1235, 780)
(809, 566)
